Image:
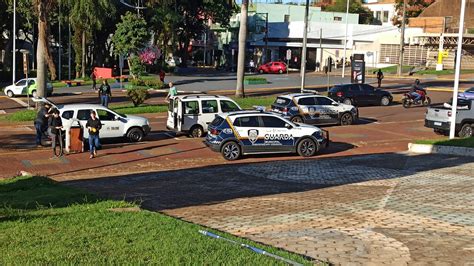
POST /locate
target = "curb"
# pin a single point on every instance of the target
(439, 149)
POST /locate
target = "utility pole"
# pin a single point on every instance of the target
(266, 37)
(320, 49)
(402, 40)
(59, 44)
(14, 43)
(345, 40)
(452, 130)
(305, 42)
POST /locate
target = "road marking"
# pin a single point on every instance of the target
(20, 102)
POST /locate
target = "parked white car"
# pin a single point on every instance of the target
(114, 125)
(193, 113)
(26, 86)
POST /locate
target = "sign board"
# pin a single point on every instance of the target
(25, 63)
(370, 54)
(358, 72)
(288, 54)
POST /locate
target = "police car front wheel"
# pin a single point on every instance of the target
(307, 147)
(231, 151)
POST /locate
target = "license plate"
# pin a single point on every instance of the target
(437, 123)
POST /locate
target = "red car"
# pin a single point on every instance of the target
(272, 67)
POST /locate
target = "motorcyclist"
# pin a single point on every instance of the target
(417, 91)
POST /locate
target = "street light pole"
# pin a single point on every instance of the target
(59, 47)
(305, 41)
(452, 129)
(345, 40)
(14, 43)
(402, 40)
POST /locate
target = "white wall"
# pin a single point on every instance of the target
(381, 9)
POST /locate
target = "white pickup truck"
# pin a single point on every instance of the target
(438, 117)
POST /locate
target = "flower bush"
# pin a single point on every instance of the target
(150, 55)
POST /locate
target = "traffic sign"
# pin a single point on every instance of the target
(25, 63)
(288, 54)
(121, 59)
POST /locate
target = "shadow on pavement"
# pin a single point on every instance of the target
(214, 184)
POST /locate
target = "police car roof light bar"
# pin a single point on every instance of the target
(254, 249)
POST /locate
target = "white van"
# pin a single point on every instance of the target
(191, 114)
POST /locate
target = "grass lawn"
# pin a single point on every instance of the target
(142, 109)
(43, 222)
(443, 72)
(467, 142)
(19, 116)
(249, 102)
(392, 69)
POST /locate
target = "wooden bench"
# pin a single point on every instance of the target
(69, 83)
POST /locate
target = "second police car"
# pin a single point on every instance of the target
(311, 108)
(253, 132)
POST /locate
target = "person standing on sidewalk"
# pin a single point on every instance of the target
(93, 126)
(94, 81)
(172, 92)
(380, 77)
(41, 122)
(105, 93)
(55, 124)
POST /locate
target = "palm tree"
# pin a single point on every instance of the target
(87, 16)
(239, 91)
(43, 53)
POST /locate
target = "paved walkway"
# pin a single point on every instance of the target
(390, 209)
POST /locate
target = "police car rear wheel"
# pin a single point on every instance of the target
(297, 119)
(346, 119)
(231, 151)
(307, 147)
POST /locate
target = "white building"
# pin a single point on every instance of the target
(383, 10)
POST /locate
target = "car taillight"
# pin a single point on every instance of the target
(450, 113)
(285, 110)
(339, 94)
(215, 131)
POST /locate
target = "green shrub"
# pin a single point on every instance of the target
(137, 95)
(137, 69)
(150, 83)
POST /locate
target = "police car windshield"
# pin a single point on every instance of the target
(282, 101)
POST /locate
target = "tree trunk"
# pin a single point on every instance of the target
(83, 61)
(42, 50)
(239, 91)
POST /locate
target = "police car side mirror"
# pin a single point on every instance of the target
(116, 118)
(288, 126)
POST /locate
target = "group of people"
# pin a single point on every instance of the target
(48, 122)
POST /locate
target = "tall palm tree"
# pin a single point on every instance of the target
(87, 16)
(239, 91)
(43, 53)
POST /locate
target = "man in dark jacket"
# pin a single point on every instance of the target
(55, 125)
(93, 126)
(105, 93)
(41, 122)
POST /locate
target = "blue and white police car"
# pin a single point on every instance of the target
(314, 109)
(254, 132)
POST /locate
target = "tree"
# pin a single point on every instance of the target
(355, 7)
(131, 35)
(87, 17)
(43, 8)
(239, 91)
(413, 9)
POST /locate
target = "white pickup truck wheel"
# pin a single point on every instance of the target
(466, 131)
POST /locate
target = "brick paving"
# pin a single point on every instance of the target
(390, 209)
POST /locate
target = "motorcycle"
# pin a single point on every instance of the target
(409, 100)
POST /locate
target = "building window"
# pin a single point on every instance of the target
(287, 18)
(385, 16)
(337, 18)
